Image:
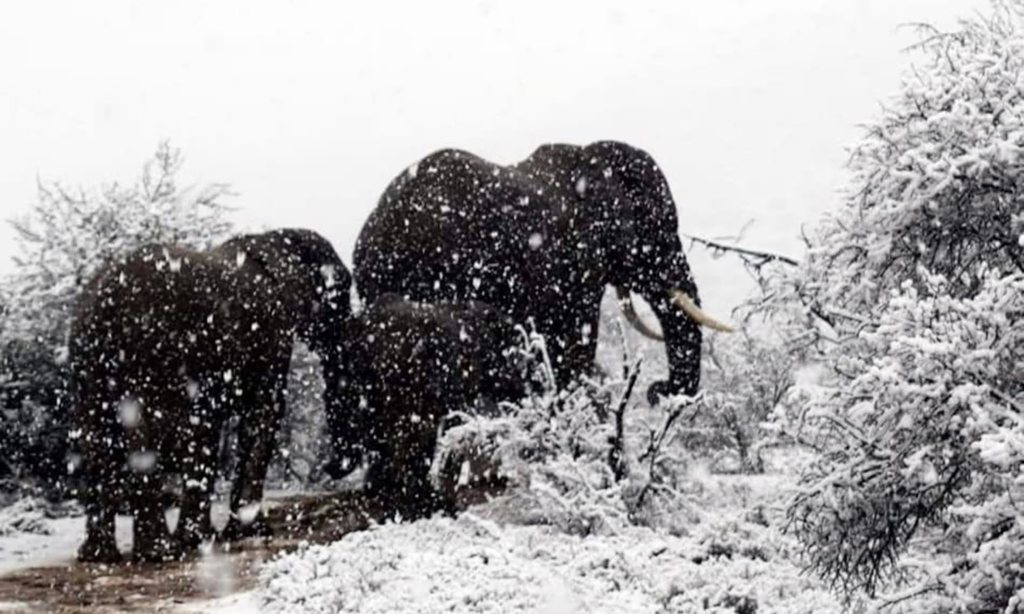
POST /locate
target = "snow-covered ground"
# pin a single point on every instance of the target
(471, 564)
(29, 538)
(38, 544)
(735, 560)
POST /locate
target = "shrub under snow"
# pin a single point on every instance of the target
(586, 459)
(917, 288)
(473, 565)
(602, 514)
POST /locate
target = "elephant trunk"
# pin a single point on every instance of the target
(682, 335)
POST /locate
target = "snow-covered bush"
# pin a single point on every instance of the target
(937, 178)
(61, 241)
(573, 460)
(745, 378)
(25, 515)
(471, 564)
(929, 428)
(915, 288)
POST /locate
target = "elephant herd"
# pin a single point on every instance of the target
(169, 343)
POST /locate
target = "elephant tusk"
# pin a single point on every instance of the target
(683, 301)
(626, 304)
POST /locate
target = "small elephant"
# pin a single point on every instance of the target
(541, 239)
(408, 366)
(166, 343)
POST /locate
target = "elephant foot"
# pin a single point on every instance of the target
(341, 465)
(189, 539)
(159, 551)
(236, 530)
(99, 550)
(413, 504)
(664, 388)
(416, 510)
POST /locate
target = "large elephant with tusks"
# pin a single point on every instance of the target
(541, 239)
(166, 343)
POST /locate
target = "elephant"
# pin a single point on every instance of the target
(541, 239)
(409, 366)
(166, 343)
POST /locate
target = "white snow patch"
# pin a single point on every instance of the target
(56, 542)
(474, 565)
(240, 603)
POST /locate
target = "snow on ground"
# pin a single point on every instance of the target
(31, 537)
(239, 603)
(735, 560)
(473, 564)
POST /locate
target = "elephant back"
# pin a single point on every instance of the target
(156, 296)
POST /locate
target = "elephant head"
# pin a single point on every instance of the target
(632, 216)
(310, 286)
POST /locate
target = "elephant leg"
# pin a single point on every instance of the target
(401, 478)
(448, 478)
(256, 436)
(381, 480)
(151, 537)
(421, 499)
(100, 505)
(346, 423)
(198, 475)
(582, 356)
(194, 523)
(102, 454)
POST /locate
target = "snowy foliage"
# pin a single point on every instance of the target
(915, 291)
(929, 427)
(572, 458)
(745, 378)
(24, 516)
(471, 564)
(61, 241)
(937, 178)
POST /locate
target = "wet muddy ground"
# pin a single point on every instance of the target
(127, 587)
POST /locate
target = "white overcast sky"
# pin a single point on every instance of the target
(308, 109)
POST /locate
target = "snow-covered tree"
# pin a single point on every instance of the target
(916, 289)
(745, 378)
(61, 241)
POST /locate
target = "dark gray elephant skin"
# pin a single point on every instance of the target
(540, 239)
(167, 343)
(408, 365)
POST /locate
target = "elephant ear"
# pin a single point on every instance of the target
(303, 273)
